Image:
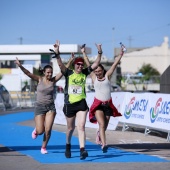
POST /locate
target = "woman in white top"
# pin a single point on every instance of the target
(102, 107)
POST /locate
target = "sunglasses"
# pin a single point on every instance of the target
(79, 64)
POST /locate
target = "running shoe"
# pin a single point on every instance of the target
(104, 148)
(98, 139)
(44, 151)
(34, 135)
(68, 151)
(83, 154)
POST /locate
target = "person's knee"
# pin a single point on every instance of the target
(48, 132)
(70, 129)
(81, 126)
(40, 131)
(101, 125)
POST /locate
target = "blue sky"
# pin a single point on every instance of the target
(108, 22)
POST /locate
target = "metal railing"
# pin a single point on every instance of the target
(23, 99)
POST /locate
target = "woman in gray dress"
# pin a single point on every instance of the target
(45, 111)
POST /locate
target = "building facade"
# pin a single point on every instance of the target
(157, 56)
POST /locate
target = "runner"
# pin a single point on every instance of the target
(102, 107)
(45, 111)
(75, 106)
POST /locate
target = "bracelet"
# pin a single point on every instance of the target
(100, 52)
(56, 55)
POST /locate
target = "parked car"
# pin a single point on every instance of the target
(5, 97)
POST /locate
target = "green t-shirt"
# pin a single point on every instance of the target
(75, 85)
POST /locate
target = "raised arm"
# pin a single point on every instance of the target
(116, 61)
(97, 61)
(86, 59)
(32, 76)
(57, 56)
(59, 75)
(70, 60)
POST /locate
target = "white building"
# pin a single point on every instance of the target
(30, 56)
(40, 54)
(158, 57)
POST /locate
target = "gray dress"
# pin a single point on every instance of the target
(45, 100)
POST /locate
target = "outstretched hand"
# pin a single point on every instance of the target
(99, 47)
(122, 51)
(72, 57)
(83, 48)
(70, 60)
(17, 62)
(56, 47)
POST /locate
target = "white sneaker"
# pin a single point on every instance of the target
(44, 151)
(34, 135)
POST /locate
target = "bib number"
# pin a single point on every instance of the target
(75, 90)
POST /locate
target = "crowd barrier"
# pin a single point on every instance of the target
(147, 110)
(60, 118)
(22, 99)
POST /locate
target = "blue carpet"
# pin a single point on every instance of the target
(18, 138)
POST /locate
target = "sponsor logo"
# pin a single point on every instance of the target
(128, 109)
(154, 111)
(136, 108)
(161, 111)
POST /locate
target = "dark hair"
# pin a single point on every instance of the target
(45, 67)
(101, 66)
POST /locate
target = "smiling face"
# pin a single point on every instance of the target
(48, 72)
(78, 67)
(99, 72)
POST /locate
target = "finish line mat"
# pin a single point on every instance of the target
(18, 138)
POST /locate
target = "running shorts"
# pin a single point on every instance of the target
(70, 110)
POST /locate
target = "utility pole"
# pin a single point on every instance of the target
(20, 40)
(130, 40)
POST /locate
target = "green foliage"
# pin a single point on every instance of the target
(1, 76)
(148, 70)
(26, 83)
(36, 71)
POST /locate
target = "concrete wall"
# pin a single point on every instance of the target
(158, 57)
(165, 81)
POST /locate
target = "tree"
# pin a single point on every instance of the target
(36, 71)
(148, 70)
(148, 73)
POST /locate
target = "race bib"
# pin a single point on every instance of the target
(75, 89)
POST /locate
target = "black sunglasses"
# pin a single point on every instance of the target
(79, 64)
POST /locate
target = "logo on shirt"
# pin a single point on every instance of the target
(79, 81)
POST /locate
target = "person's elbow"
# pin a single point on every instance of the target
(94, 66)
